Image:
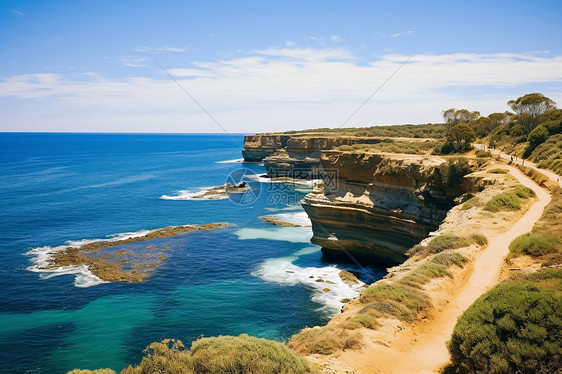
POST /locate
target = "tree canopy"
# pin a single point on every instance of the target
(455, 116)
(461, 136)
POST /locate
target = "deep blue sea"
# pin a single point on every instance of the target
(251, 277)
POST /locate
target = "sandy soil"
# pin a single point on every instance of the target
(421, 348)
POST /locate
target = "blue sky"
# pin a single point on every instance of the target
(270, 65)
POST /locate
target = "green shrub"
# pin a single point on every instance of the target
(498, 171)
(366, 320)
(223, 354)
(509, 200)
(478, 239)
(483, 154)
(503, 201)
(168, 356)
(450, 258)
(514, 328)
(439, 244)
(411, 297)
(244, 354)
(390, 308)
(534, 244)
(324, 340)
(433, 270)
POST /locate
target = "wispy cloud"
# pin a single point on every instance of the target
(18, 12)
(286, 88)
(134, 61)
(309, 54)
(402, 33)
(159, 49)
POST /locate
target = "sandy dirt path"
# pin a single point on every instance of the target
(550, 174)
(422, 348)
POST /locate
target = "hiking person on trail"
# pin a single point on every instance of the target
(511, 158)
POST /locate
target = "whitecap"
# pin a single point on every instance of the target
(327, 286)
(235, 161)
(199, 194)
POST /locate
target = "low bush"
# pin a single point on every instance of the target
(97, 371)
(244, 354)
(433, 270)
(366, 320)
(410, 297)
(168, 356)
(450, 258)
(483, 154)
(509, 200)
(534, 244)
(390, 308)
(513, 328)
(324, 340)
(223, 354)
(498, 171)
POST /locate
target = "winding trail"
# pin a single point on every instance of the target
(550, 174)
(422, 348)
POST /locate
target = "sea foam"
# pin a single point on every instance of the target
(327, 287)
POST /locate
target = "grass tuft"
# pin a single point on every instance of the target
(509, 200)
(366, 320)
(324, 340)
(534, 244)
(450, 258)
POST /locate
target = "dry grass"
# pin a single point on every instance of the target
(223, 354)
(509, 200)
(544, 241)
(325, 340)
(396, 146)
(447, 241)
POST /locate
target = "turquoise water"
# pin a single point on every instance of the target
(250, 277)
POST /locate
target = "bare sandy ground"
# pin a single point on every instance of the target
(422, 348)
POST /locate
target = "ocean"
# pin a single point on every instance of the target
(250, 277)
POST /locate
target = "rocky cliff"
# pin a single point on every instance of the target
(296, 156)
(381, 205)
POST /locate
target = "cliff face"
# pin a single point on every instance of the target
(381, 205)
(257, 147)
(296, 156)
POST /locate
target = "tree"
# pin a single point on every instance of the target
(460, 136)
(535, 138)
(455, 116)
(530, 108)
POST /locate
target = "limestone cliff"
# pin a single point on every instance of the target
(298, 155)
(382, 204)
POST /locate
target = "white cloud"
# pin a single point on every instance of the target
(309, 54)
(403, 33)
(159, 50)
(18, 12)
(134, 61)
(279, 89)
(336, 38)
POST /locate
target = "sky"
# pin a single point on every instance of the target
(254, 66)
